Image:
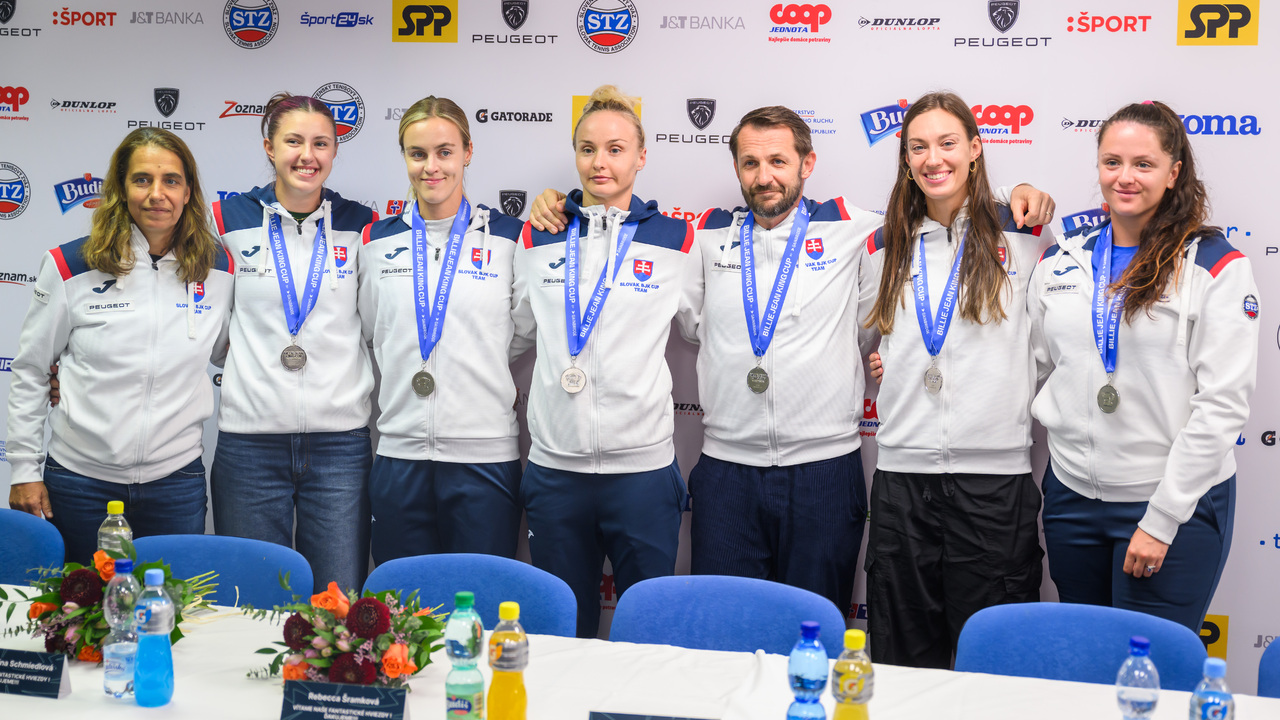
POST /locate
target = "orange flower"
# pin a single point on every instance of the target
(89, 653)
(395, 661)
(105, 565)
(296, 672)
(39, 608)
(423, 611)
(332, 600)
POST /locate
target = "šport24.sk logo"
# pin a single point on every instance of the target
(250, 23)
(346, 105)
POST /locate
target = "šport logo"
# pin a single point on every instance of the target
(347, 108)
(1201, 23)
(879, 123)
(88, 19)
(1087, 23)
(608, 26)
(84, 191)
(250, 23)
(15, 191)
(798, 23)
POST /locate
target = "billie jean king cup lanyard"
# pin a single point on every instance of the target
(936, 334)
(294, 357)
(760, 330)
(1106, 322)
(579, 325)
(431, 316)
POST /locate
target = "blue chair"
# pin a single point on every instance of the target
(547, 605)
(718, 612)
(248, 570)
(1068, 641)
(1269, 671)
(26, 544)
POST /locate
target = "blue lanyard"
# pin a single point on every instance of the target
(760, 330)
(294, 314)
(935, 335)
(1106, 315)
(431, 317)
(579, 324)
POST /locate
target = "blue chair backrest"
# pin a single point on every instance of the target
(716, 612)
(1269, 671)
(27, 543)
(248, 570)
(547, 605)
(1066, 641)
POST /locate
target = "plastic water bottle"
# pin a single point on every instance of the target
(1138, 683)
(854, 678)
(120, 646)
(153, 674)
(114, 528)
(463, 640)
(1212, 699)
(808, 671)
(508, 657)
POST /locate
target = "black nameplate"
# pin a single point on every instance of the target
(626, 716)
(34, 673)
(317, 701)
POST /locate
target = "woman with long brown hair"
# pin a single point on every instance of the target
(953, 503)
(132, 315)
(1146, 336)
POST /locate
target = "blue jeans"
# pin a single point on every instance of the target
(261, 482)
(422, 507)
(171, 505)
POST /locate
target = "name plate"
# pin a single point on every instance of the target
(626, 716)
(34, 673)
(305, 700)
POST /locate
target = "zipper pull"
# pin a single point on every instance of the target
(948, 236)
(437, 254)
(154, 266)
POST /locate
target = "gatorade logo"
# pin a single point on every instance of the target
(142, 614)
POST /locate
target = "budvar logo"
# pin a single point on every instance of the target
(436, 21)
(1221, 125)
(1084, 218)
(882, 122)
(1107, 23)
(15, 191)
(237, 109)
(250, 23)
(88, 19)
(13, 98)
(1201, 23)
(85, 191)
(6, 364)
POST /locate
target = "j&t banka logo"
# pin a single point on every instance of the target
(15, 191)
(347, 108)
(882, 122)
(608, 26)
(250, 23)
(85, 191)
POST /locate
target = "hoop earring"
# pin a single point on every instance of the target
(973, 166)
(909, 175)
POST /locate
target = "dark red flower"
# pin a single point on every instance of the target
(55, 643)
(296, 630)
(368, 618)
(347, 669)
(82, 587)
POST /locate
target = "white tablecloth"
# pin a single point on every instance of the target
(567, 678)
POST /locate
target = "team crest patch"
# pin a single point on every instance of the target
(480, 257)
(1002, 254)
(339, 255)
(813, 247)
(1251, 307)
(643, 269)
(197, 291)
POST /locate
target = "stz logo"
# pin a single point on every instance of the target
(347, 108)
(425, 23)
(1003, 14)
(166, 100)
(512, 201)
(607, 30)
(15, 191)
(1218, 24)
(250, 24)
(701, 111)
(515, 12)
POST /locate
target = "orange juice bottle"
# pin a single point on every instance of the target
(508, 656)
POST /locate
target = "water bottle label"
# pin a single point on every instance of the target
(142, 614)
(465, 706)
(1214, 706)
(851, 684)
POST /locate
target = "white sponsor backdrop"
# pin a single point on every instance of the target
(75, 78)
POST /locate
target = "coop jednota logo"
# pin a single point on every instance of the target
(15, 191)
(346, 105)
(1234, 23)
(431, 21)
(250, 23)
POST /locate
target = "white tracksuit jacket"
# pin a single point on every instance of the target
(1184, 374)
(133, 355)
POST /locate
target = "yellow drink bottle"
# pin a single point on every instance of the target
(508, 656)
(854, 679)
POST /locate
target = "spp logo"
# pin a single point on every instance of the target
(12, 98)
(608, 26)
(642, 269)
(339, 255)
(85, 191)
(250, 23)
(1213, 633)
(813, 248)
(799, 18)
(882, 122)
(346, 105)
(436, 21)
(1002, 119)
(1201, 23)
(15, 191)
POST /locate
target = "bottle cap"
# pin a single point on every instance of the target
(124, 565)
(464, 599)
(1139, 645)
(115, 507)
(509, 611)
(809, 629)
(154, 576)
(1215, 668)
(854, 639)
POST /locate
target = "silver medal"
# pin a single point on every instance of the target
(573, 380)
(757, 380)
(933, 380)
(293, 358)
(1108, 399)
(423, 383)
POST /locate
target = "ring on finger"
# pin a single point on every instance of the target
(1150, 569)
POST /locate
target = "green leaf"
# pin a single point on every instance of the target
(274, 667)
(3, 595)
(9, 613)
(283, 577)
(127, 545)
(266, 651)
(320, 662)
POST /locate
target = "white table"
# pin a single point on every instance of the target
(567, 678)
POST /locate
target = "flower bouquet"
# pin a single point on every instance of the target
(343, 638)
(66, 604)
